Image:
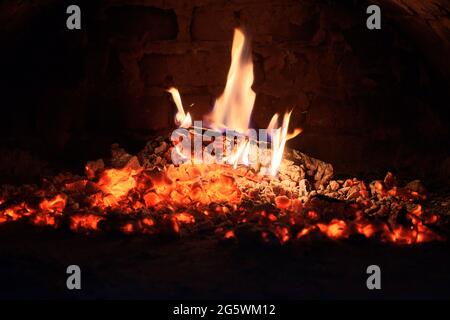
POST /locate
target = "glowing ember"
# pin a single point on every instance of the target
(170, 198)
(336, 229)
(118, 182)
(85, 222)
(56, 204)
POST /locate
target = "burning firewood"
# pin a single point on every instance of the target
(258, 191)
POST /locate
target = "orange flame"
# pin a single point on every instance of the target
(233, 109)
(181, 118)
(279, 138)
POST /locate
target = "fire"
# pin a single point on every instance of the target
(171, 198)
(368, 230)
(56, 204)
(233, 110)
(181, 118)
(234, 107)
(279, 138)
(335, 229)
(118, 182)
(229, 234)
(85, 222)
(184, 217)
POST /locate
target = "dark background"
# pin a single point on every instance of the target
(368, 101)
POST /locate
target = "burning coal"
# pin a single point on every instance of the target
(147, 194)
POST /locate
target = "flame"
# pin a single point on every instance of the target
(234, 107)
(182, 119)
(233, 110)
(239, 155)
(279, 137)
(278, 142)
